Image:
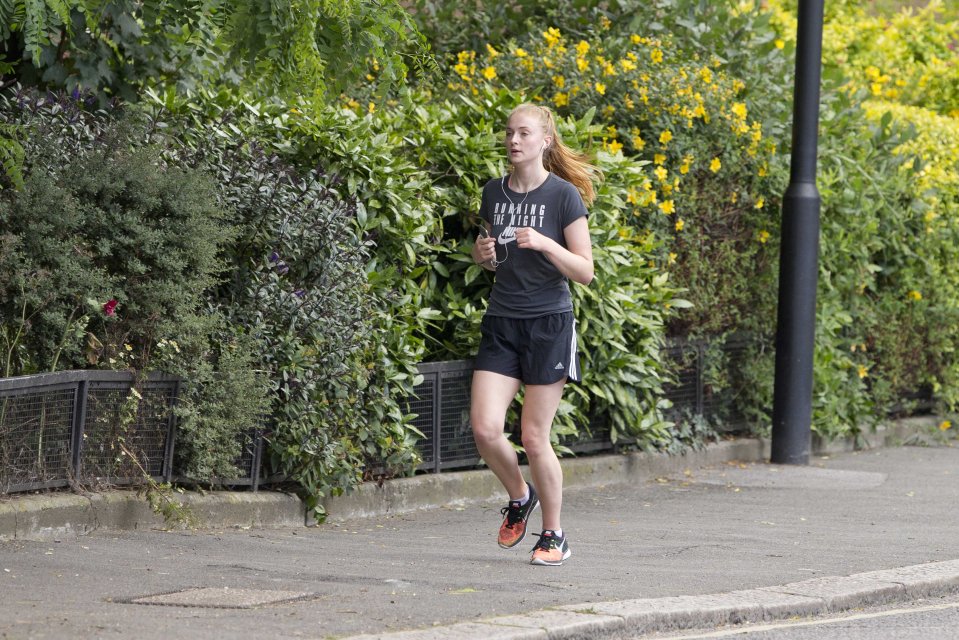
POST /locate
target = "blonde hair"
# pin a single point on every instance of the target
(570, 165)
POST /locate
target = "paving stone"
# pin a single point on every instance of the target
(461, 631)
(564, 625)
(846, 592)
(921, 580)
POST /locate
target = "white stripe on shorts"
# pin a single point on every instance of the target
(573, 372)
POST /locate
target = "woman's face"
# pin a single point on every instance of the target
(525, 138)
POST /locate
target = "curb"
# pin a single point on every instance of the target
(630, 618)
(53, 515)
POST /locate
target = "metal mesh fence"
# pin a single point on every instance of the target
(35, 431)
(705, 382)
(84, 427)
(685, 390)
(124, 432)
(421, 406)
(457, 447)
(248, 464)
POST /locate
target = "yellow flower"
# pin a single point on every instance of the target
(520, 53)
(559, 81)
(371, 108)
(582, 48)
(561, 99)
(635, 39)
(872, 72)
(680, 224)
(492, 52)
(656, 55)
(627, 64)
(661, 173)
(659, 158)
(763, 171)
(672, 258)
(600, 88)
(582, 64)
(915, 295)
(763, 236)
(715, 165)
(739, 110)
(638, 143)
(780, 43)
(665, 137)
(615, 147)
(632, 197)
(667, 207)
(684, 167)
(863, 371)
(759, 203)
(945, 425)
(462, 70)
(552, 36)
(489, 73)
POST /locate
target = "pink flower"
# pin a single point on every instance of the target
(110, 307)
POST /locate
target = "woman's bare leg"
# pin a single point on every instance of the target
(539, 409)
(492, 394)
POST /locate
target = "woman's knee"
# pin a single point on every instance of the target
(485, 428)
(536, 442)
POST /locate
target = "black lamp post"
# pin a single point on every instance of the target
(799, 254)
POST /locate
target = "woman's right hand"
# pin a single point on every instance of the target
(484, 251)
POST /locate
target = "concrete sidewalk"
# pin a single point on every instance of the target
(714, 537)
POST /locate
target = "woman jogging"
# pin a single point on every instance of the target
(536, 239)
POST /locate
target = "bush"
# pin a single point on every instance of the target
(110, 253)
(297, 285)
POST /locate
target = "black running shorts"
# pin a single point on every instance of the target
(534, 350)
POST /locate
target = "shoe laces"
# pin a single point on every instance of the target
(547, 540)
(513, 513)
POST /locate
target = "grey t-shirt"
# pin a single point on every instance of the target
(527, 285)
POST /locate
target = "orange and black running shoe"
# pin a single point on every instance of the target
(515, 515)
(551, 549)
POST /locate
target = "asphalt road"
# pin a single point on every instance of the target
(705, 531)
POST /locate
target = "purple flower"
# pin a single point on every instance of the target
(274, 256)
(110, 307)
(282, 268)
(299, 293)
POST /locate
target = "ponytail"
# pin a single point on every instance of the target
(570, 165)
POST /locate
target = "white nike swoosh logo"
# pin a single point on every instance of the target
(508, 235)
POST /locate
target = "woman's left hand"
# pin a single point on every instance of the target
(529, 238)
